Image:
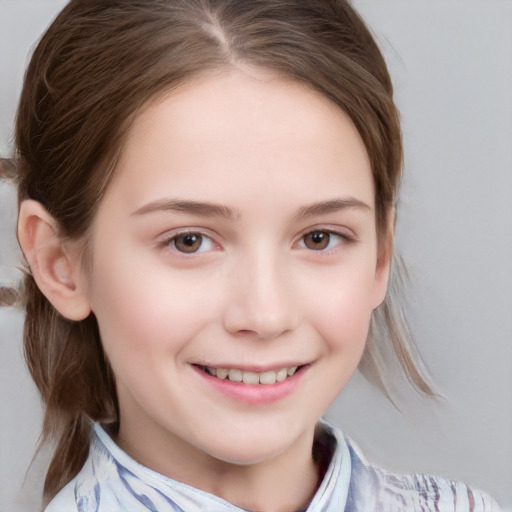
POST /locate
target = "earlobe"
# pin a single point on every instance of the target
(54, 263)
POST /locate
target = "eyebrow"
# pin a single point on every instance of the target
(193, 207)
(331, 206)
(218, 210)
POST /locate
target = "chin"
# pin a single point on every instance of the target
(247, 456)
(251, 447)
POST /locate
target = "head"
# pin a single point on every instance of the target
(99, 72)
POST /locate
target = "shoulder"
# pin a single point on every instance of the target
(64, 501)
(84, 491)
(384, 491)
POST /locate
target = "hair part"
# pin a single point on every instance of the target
(95, 68)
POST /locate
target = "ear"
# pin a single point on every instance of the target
(54, 262)
(384, 260)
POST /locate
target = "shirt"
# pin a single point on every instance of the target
(111, 481)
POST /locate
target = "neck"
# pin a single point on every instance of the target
(284, 483)
(277, 485)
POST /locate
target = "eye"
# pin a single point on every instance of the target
(191, 243)
(321, 240)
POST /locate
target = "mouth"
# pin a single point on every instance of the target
(249, 377)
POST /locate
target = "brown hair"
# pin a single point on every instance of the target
(96, 66)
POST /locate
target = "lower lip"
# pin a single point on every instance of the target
(254, 394)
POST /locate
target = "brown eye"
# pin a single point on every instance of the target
(317, 240)
(188, 242)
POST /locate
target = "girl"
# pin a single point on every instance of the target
(207, 212)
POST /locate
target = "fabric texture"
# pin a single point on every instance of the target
(111, 481)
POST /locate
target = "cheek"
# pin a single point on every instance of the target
(341, 311)
(146, 311)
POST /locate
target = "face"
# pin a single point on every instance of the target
(237, 238)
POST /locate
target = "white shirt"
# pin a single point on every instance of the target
(111, 481)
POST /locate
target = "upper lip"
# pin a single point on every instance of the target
(253, 368)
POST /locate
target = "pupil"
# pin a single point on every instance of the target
(318, 237)
(190, 240)
(188, 243)
(317, 240)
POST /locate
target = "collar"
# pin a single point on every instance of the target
(115, 481)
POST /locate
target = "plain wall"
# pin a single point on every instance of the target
(452, 66)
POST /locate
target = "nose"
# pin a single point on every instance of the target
(260, 299)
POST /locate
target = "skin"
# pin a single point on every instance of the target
(257, 294)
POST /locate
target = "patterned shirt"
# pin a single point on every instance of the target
(111, 481)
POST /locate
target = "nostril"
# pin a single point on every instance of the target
(263, 310)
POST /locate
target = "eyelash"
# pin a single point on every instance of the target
(343, 238)
(170, 241)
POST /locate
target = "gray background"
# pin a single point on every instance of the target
(452, 66)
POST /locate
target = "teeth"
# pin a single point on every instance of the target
(251, 378)
(268, 377)
(222, 373)
(236, 375)
(281, 374)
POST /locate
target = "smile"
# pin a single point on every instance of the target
(248, 377)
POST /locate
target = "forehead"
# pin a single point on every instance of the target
(237, 128)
